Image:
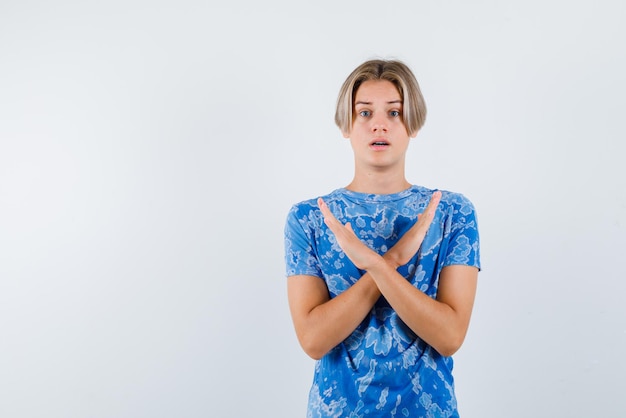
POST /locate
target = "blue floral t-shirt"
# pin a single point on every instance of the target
(383, 368)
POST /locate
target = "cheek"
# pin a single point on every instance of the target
(400, 125)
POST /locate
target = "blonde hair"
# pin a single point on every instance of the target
(398, 73)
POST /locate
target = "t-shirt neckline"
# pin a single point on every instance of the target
(373, 197)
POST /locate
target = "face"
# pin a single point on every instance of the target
(378, 136)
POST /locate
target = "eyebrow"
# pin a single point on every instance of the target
(369, 103)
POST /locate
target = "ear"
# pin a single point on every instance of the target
(414, 134)
(345, 134)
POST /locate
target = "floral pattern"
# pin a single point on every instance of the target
(382, 368)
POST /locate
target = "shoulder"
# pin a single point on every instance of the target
(458, 213)
(308, 205)
(449, 199)
(454, 208)
(308, 212)
(457, 202)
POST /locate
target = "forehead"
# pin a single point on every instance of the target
(372, 91)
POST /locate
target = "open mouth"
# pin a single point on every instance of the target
(380, 143)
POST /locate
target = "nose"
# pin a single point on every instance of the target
(379, 125)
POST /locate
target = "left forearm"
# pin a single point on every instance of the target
(434, 321)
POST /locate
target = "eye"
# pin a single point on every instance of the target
(394, 113)
(365, 113)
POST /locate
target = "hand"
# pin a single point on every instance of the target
(360, 254)
(402, 252)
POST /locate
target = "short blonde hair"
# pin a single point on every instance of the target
(398, 73)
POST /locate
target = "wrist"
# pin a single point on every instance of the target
(382, 266)
(391, 260)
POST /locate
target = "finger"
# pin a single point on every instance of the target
(329, 218)
(321, 204)
(431, 208)
(325, 209)
(425, 218)
(434, 202)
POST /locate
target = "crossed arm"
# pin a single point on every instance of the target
(321, 322)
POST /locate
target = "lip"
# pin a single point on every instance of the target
(379, 144)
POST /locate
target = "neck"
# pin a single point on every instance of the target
(375, 183)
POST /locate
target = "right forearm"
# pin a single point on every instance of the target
(328, 324)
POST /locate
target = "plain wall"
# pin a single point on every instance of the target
(150, 151)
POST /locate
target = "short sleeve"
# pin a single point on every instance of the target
(463, 242)
(300, 254)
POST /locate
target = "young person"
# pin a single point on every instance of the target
(382, 274)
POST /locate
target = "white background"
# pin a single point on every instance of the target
(150, 151)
